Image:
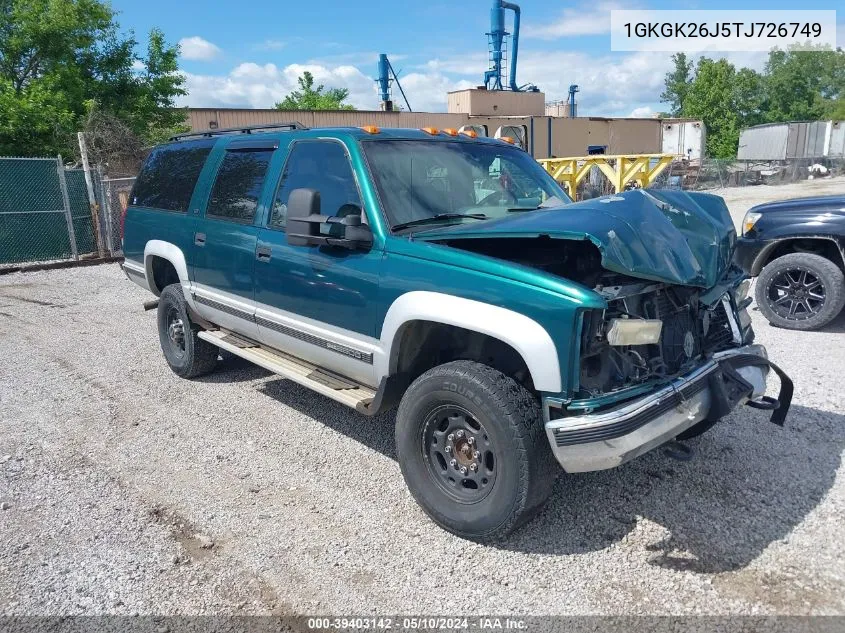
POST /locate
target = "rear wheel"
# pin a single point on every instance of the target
(800, 291)
(473, 451)
(188, 355)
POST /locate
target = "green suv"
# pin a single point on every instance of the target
(452, 277)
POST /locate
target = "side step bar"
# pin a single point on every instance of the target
(322, 381)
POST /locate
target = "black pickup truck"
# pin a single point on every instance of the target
(796, 248)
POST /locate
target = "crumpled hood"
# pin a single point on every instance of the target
(671, 236)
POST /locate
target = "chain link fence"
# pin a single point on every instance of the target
(716, 173)
(46, 213)
(115, 197)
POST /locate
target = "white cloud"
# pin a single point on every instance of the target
(138, 66)
(197, 48)
(612, 84)
(251, 85)
(642, 112)
(588, 19)
(260, 86)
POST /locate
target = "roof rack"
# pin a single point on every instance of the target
(292, 125)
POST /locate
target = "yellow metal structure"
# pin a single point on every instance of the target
(619, 169)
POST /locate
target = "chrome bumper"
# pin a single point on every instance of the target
(597, 441)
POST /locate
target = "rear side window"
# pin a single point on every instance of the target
(238, 185)
(169, 175)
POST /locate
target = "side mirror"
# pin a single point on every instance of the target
(304, 221)
(303, 207)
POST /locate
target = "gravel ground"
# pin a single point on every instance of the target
(125, 489)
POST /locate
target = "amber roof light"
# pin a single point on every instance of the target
(371, 129)
(470, 133)
(430, 130)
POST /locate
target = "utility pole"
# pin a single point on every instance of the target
(92, 200)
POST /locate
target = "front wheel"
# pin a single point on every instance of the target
(473, 450)
(800, 291)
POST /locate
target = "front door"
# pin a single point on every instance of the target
(225, 239)
(318, 301)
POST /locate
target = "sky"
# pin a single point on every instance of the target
(250, 53)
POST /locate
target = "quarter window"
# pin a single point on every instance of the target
(169, 175)
(238, 185)
(320, 165)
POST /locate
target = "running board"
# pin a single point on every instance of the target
(322, 381)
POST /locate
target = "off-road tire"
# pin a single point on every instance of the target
(510, 416)
(824, 270)
(198, 356)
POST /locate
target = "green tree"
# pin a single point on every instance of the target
(795, 85)
(677, 84)
(57, 57)
(726, 100)
(803, 85)
(310, 98)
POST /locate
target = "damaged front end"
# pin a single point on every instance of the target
(652, 332)
(673, 345)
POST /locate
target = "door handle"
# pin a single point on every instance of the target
(263, 253)
(199, 239)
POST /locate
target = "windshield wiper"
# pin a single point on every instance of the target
(433, 219)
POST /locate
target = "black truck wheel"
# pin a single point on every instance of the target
(473, 450)
(800, 291)
(188, 355)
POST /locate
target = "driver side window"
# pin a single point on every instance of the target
(320, 165)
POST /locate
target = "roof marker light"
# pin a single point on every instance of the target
(507, 139)
(470, 133)
(450, 131)
(430, 130)
(371, 129)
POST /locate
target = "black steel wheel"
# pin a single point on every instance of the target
(188, 355)
(461, 456)
(800, 291)
(175, 331)
(473, 451)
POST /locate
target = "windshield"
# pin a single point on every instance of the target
(430, 182)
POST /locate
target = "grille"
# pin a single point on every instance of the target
(719, 336)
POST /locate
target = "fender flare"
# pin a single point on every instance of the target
(171, 253)
(531, 341)
(765, 253)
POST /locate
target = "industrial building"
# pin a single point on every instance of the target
(542, 136)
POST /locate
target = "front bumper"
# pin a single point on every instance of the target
(607, 439)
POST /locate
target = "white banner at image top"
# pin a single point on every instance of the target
(720, 30)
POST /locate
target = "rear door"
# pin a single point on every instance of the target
(161, 198)
(226, 236)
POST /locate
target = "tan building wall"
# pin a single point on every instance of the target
(476, 102)
(569, 137)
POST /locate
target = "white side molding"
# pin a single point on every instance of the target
(525, 335)
(171, 253)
